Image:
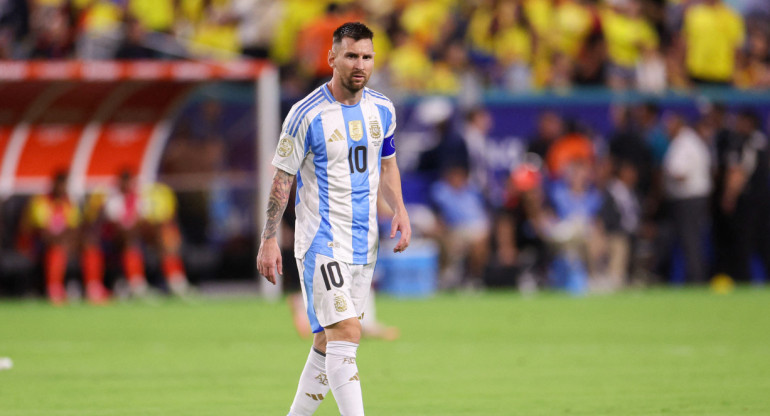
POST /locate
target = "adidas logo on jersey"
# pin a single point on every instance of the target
(336, 136)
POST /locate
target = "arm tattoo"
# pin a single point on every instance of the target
(279, 195)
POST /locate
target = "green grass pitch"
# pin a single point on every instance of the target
(674, 352)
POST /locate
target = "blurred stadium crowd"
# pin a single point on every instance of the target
(430, 46)
(663, 197)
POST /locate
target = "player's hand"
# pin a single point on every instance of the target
(269, 259)
(401, 223)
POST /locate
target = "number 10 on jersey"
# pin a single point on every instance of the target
(357, 157)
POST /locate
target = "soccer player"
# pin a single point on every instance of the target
(147, 215)
(55, 221)
(338, 141)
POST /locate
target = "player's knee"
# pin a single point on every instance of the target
(348, 330)
(319, 341)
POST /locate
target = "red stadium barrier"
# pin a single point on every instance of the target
(129, 70)
(94, 119)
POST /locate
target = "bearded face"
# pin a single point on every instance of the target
(353, 62)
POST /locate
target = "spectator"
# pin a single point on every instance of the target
(754, 70)
(627, 143)
(444, 79)
(478, 123)
(570, 147)
(51, 33)
(629, 37)
(713, 34)
(312, 43)
(648, 120)
(620, 215)
(409, 66)
(429, 22)
(576, 234)
(216, 33)
(519, 232)
(540, 15)
(589, 64)
(501, 33)
(465, 239)
(573, 24)
(100, 30)
(651, 73)
(450, 150)
(687, 179)
(134, 43)
(155, 15)
(14, 26)
(257, 22)
(550, 128)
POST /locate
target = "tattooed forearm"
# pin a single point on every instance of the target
(279, 195)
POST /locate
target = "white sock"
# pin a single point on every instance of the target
(313, 386)
(343, 377)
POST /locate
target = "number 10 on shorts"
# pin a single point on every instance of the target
(332, 273)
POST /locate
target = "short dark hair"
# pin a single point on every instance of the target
(354, 30)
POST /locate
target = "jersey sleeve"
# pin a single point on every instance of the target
(389, 144)
(291, 145)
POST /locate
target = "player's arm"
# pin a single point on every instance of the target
(390, 185)
(269, 257)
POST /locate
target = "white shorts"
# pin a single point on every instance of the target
(333, 290)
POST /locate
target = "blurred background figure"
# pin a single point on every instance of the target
(146, 216)
(520, 247)
(478, 123)
(743, 213)
(51, 227)
(687, 179)
(713, 34)
(465, 231)
(576, 233)
(123, 211)
(630, 39)
(550, 128)
(621, 216)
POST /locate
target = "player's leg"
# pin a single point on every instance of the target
(335, 293)
(170, 242)
(55, 271)
(341, 368)
(313, 385)
(294, 297)
(133, 268)
(353, 284)
(92, 263)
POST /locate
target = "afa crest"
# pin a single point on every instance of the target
(340, 305)
(374, 127)
(356, 130)
(285, 147)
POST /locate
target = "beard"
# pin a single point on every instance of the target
(351, 85)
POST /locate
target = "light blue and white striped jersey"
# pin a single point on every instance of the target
(335, 150)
